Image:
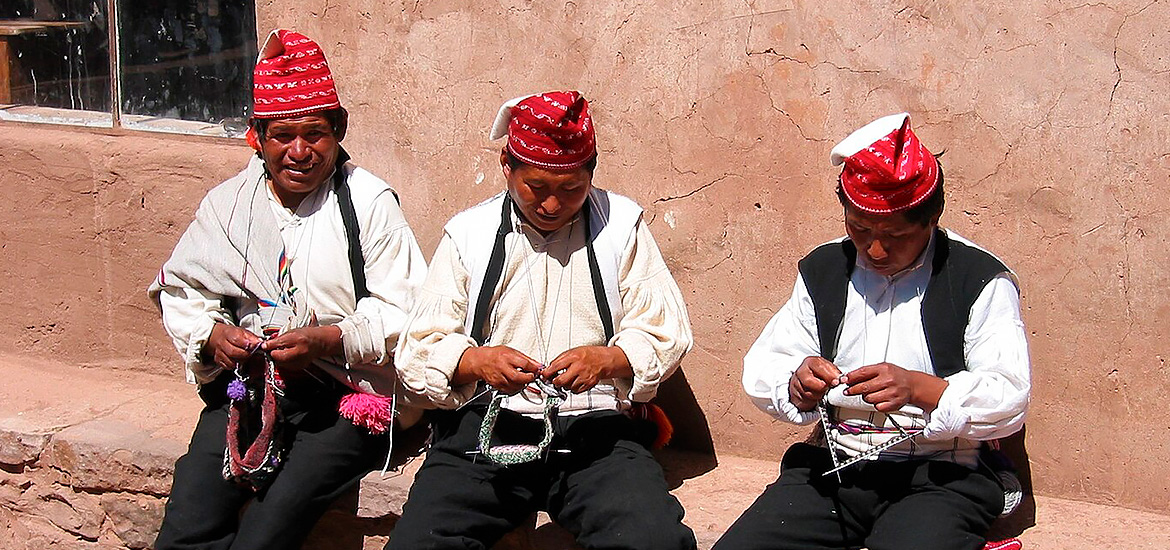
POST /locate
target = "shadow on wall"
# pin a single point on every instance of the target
(691, 452)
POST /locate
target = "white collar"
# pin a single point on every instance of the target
(918, 263)
(538, 237)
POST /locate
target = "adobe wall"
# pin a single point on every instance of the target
(718, 117)
(88, 218)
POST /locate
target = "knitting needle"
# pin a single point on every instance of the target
(875, 450)
(823, 409)
(901, 430)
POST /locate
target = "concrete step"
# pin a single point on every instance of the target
(86, 456)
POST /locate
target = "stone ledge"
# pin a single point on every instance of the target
(20, 442)
(86, 457)
(87, 454)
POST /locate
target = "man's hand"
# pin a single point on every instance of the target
(296, 349)
(889, 387)
(811, 381)
(580, 369)
(501, 367)
(229, 345)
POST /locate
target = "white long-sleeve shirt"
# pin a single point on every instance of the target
(316, 246)
(883, 323)
(547, 306)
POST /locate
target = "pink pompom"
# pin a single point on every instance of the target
(372, 412)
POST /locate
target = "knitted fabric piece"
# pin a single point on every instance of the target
(292, 78)
(1013, 491)
(508, 455)
(263, 455)
(552, 130)
(890, 173)
(1009, 544)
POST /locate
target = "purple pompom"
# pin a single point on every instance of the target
(236, 390)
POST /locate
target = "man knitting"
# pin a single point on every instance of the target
(285, 298)
(905, 341)
(547, 315)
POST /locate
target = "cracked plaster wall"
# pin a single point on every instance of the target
(717, 116)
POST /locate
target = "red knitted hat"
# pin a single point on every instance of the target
(292, 78)
(550, 130)
(887, 169)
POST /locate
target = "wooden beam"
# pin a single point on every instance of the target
(5, 71)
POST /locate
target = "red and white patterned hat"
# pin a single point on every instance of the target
(550, 130)
(292, 78)
(887, 169)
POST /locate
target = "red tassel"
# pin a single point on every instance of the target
(364, 410)
(252, 139)
(655, 414)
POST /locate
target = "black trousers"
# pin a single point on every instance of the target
(327, 456)
(608, 490)
(920, 505)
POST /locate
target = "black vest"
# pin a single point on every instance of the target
(957, 277)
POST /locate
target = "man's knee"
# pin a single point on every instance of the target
(649, 519)
(642, 534)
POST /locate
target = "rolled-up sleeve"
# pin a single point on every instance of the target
(990, 399)
(655, 330)
(434, 337)
(395, 268)
(788, 338)
(189, 315)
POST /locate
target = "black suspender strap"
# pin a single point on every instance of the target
(595, 275)
(959, 274)
(491, 277)
(357, 264)
(495, 269)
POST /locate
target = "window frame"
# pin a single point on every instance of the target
(117, 120)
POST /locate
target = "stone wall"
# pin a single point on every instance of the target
(718, 117)
(86, 455)
(61, 492)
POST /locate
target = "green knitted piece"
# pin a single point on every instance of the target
(508, 455)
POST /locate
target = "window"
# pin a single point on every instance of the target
(180, 65)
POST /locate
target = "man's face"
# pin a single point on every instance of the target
(888, 242)
(548, 199)
(299, 153)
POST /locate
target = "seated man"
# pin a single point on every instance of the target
(905, 341)
(548, 312)
(285, 298)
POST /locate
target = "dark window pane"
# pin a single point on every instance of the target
(55, 53)
(187, 59)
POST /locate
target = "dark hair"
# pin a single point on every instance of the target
(921, 213)
(335, 117)
(515, 163)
